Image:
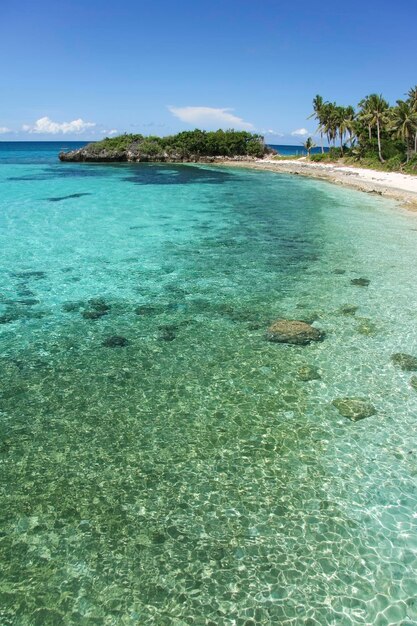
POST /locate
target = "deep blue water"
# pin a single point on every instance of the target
(161, 462)
(299, 150)
(35, 152)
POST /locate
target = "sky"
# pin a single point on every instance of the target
(85, 69)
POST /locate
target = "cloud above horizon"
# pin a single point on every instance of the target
(47, 126)
(4, 129)
(300, 132)
(209, 116)
(270, 131)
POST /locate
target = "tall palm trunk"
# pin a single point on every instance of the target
(379, 141)
(415, 142)
(321, 141)
(370, 132)
(341, 143)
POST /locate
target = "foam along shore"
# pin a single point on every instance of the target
(402, 187)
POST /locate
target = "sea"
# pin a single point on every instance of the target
(299, 150)
(161, 462)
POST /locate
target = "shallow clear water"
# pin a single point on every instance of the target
(190, 476)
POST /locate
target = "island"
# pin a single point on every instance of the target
(185, 147)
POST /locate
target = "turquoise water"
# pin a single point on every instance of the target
(189, 476)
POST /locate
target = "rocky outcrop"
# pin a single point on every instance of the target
(132, 155)
(186, 147)
(354, 409)
(294, 332)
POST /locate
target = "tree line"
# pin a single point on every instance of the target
(373, 129)
(189, 143)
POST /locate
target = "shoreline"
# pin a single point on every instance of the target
(394, 185)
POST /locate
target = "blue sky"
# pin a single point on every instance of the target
(81, 69)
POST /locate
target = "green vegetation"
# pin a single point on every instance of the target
(195, 143)
(376, 135)
(309, 145)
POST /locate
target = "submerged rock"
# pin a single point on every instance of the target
(294, 332)
(360, 282)
(308, 372)
(366, 327)
(413, 382)
(25, 293)
(348, 309)
(98, 308)
(13, 314)
(115, 341)
(406, 362)
(9, 316)
(93, 315)
(28, 302)
(354, 409)
(151, 309)
(168, 332)
(99, 304)
(72, 307)
(339, 272)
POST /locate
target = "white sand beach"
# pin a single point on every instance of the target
(402, 187)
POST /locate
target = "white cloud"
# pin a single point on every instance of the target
(270, 131)
(108, 133)
(208, 116)
(4, 129)
(47, 126)
(300, 132)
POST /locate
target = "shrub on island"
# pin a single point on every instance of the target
(192, 145)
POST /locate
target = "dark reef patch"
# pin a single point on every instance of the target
(354, 409)
(406, 362)
(69, 197)
(115, 341)
(72, 307)
(145, 174)
(99, 304)
(28, 302)
(294, 332)
(93, 315)
(169, 332)
(36, 274)
(348, 309)
(360, 282)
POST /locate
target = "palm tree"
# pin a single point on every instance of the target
(342, 124)
(308, 145)
(404, 124)
(350, 116)
(377, 115)
(318, 108)
(412, 100)
(365, 115)
(329, 116)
